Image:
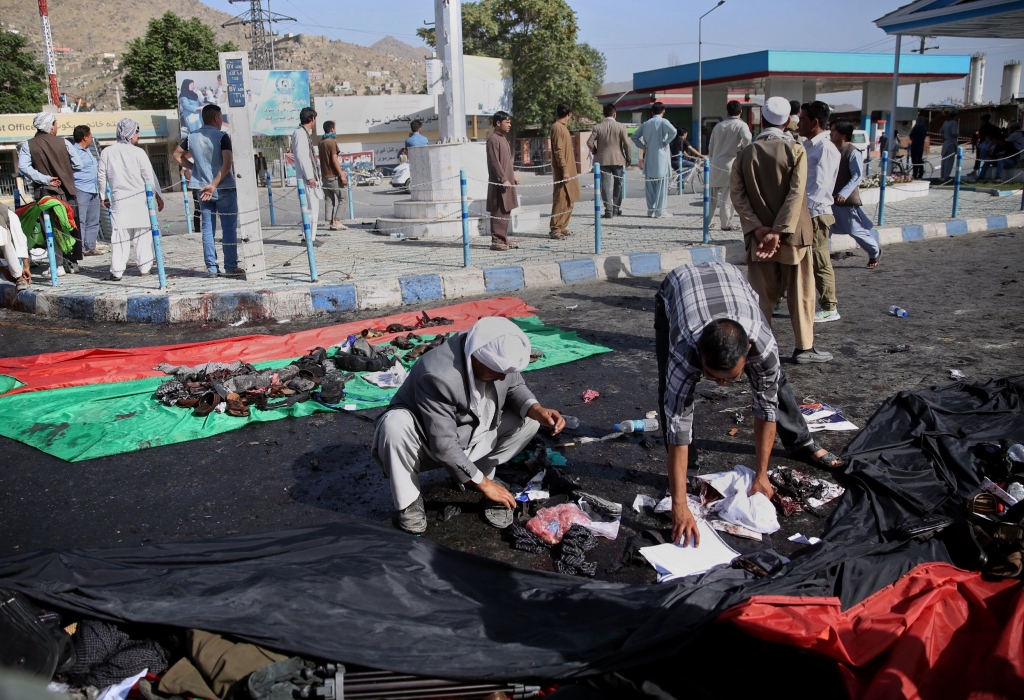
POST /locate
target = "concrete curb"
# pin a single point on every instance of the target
(375, 294)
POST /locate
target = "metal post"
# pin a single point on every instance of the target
(158, 250)
(707, 200)
(50, 250)
(890, 124)
(188, 204)
(680, 172)
(465, 218)
(956, 181)
(351, 202)
(17, 197)
(882, 179)
(867, 162)
(110, 212)
(597, 208)
(306, 230)
(270, 198)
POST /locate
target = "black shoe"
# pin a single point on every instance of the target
(237, 272)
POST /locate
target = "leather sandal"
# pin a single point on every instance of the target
(206, 404)
(188, 402)
(235, 406)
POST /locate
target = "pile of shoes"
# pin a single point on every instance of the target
(233, 388)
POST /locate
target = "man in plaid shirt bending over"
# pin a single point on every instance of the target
(708, 323)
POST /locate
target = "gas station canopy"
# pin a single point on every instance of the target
(996, 19)
(827, 71)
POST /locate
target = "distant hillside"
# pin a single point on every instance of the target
(90, 35)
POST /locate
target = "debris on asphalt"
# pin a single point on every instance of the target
(734, 431)
(551, 524)
(673, 561)
(901, 347)
(589, 395)
(898, 311)
(808, 493)
(821, 416)
(956, 374)
(239, 322)
(736, 506)
(448, 513)
(571, 422)
(572, 551)
(800, 539)
(737, 530)
(525, 541)
(643, 501)
(574, 306)
(606, 438)
(604, 515)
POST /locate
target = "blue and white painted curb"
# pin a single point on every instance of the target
(326, 299)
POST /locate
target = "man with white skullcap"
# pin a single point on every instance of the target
(126, 168)
(464, 407)
(769, 180)
(49, 163)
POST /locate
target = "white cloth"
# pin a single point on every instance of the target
(498, 344)
(776, 111)
(720, 197)
(949, 131)
(728, 138)
(124, 241)
(126, 169)
(313, 210)
(44, 121)
(14, 243)
(402, 454)
(754, 512)
(307, 166)
(119, 691)
(822, 168)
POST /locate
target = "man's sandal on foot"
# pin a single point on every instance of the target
(827, 461)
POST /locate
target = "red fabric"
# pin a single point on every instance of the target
(107, 365)
(938, 632)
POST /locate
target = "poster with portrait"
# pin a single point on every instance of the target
(274, 98)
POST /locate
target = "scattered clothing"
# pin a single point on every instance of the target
(106, 654)
(213, 666)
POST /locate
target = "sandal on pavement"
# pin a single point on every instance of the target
(873, 262)
(827, 461)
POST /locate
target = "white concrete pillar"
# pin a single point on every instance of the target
(448, 37)
(790, 88)
(809, 92)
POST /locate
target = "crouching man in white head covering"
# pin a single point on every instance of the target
(464, 407)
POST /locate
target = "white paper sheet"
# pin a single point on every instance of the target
(673, 561)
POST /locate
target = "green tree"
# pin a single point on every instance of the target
(548, 65)
(171, 44)
(22, 77)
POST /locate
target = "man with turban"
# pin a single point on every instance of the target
(49, 163)
(126, 168)
(464, 407)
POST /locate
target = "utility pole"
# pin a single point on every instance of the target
(917, 85)
(51, 62)
(261, 56)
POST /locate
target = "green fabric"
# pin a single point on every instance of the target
(7, 383)
(98, 420)
(32, 225)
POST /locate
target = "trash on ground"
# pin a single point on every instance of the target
(606, 438)
(572, 551)
(551, 524)
(956, 374)
(284, 320)
(574, 306)
(571, 422)
(392, 379)
(901, 347)
(821, 416)
(800, 539)
(734, 431)
(737, 530)
(752, 512)
(448, 513)
(651, 414)
(898, 311)
(989, 486)
(534, 489)
(673, 561)
(645, 425)
(604, 515)
(239, 321)
(524, 540)
(589, 395)
(565, 444)
(810, 493)
(643, 501)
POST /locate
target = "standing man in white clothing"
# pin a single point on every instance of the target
(307, 166)
(950, 131)
(126, 168)
(822, 169)
(728, 138)
(654, 138)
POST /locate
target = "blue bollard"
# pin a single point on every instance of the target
(17, 198)
(306, 230)
(956, 181)
(50, 250)
(680, 172)
(158, 250)
(867, 164)
(625, 169)
(465, 218)
(707, 200)
(351, 203)
(188, 204)
(882, 178)
(270, 200)
(597, 208)
(110, 212)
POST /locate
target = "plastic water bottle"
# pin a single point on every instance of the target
(898, 312)
(645, 425)
(571, 422)
(1016, 453)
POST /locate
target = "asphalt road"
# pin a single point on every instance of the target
(964, 299)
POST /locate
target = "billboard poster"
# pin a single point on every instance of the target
(488, 85)
(373, 114)
(274, 99)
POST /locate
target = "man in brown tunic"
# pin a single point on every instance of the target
(769, 179)
(501, 198)
(563, 167)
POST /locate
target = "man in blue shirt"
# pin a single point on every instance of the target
(416, 138)
(88, 213)
(207, 158)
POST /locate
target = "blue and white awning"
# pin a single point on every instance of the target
(998, 19)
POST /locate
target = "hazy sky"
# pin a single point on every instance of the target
(623, 32)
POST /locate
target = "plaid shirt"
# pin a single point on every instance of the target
(695, 295)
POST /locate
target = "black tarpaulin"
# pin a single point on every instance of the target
(365, 594)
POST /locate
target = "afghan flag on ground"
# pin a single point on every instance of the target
(84, 404)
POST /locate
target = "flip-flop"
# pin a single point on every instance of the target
(873, 262)
(827, 461)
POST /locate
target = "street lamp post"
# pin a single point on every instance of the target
(700, 75)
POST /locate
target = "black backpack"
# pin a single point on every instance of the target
(32, 640)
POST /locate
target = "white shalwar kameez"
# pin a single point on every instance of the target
(654, 137)
(126, 168)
